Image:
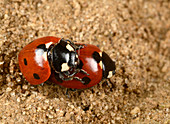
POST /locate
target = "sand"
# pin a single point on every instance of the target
(135, 34)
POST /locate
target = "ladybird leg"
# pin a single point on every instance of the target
(70, 78)
(75, 72)
(79, 46)
(79, 79)
(67, 73)
(67, 79)
(67, 93)
(71, 75)
(83, 71)
(61, 76)
(69, 89)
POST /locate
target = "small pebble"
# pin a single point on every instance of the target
(8, 89)
(135, 111)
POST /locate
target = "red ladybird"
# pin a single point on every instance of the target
(95, 63)
(37, 59)
(71, 65)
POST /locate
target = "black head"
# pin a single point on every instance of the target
(108, 66)
(63, 56)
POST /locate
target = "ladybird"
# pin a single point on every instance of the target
(40, 57)
(69, 64)
(96, 64)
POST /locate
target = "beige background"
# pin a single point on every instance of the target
(135, 33)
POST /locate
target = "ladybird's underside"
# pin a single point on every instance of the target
(63, 57)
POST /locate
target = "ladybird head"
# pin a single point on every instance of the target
(63, 56)
(105, 62)
(108, 66)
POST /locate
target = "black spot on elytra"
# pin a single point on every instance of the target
(25, 61)
(80, 65)
(42, 46)
(57, 78)
(96, 56)
(86, 80)
(36, 76)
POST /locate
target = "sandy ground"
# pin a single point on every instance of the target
(135, 33)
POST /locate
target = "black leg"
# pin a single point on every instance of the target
(83, 71)
(79, 79)
(61, 76)
(67, 73)
(72, 89)
(70, 75)
(67, 93)
(69, 89)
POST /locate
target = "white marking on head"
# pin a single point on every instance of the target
(64, 67)
(48, 45)
(100, 53)
(110, 74)
(77, 56)
(69, 47)
(101, 64)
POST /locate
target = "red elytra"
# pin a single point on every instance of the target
(34, 65)
(89, 64)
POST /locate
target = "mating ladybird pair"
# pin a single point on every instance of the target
(64, 62)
